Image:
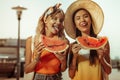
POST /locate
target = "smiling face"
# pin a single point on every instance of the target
(54, 23)
(82, 21)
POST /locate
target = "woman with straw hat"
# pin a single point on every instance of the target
(85, 18)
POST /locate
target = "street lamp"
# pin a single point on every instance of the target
(19, 13)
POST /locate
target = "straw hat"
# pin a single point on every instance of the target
(93, 8)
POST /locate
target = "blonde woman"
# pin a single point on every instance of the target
(45, 64)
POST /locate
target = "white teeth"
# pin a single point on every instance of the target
(83, 24)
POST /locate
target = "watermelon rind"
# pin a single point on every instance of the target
(57, 51)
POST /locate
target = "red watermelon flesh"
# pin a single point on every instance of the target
(88, 42)
(54, 44)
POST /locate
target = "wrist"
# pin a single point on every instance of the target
(72, 67)
(36, 60)
(101, 59)
(75, 55)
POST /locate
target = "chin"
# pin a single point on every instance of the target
(85, 30)
(55, 33)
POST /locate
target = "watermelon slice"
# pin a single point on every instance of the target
(54, 44)
(88, 42)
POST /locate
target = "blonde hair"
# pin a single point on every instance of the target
(41, 24)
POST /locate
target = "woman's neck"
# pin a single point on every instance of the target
(51, 35)
(85, 34)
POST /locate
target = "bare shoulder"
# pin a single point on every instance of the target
(29, 39)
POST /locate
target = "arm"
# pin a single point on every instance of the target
(74, 55)
(31, 62)
(29, 65)
(72, 67)
(63, 58)
(104, 57)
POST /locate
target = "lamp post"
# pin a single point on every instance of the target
(19, 13)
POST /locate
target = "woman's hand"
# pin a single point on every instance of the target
(101, 52)
(38, 49)
(62, 56)
(75, 48)
(104, 58)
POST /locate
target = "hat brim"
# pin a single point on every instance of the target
(93, 8)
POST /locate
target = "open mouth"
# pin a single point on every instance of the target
(83, 24)
(56, 28)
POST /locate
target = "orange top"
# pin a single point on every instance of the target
(48, 64)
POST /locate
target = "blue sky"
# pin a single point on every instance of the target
(35, 8)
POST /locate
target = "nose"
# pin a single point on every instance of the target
(82, 19)
(58, 21)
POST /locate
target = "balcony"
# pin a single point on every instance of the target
(8, 57)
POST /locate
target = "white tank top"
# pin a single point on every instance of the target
(84, 52)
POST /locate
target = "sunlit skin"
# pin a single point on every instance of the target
(83, 22)
(54, 24)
